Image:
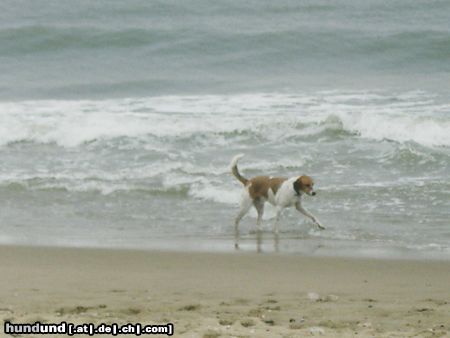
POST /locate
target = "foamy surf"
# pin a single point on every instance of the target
(413, 116)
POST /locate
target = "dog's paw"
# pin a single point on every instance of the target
(320, 226)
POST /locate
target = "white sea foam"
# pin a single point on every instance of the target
(411, 117)
(216, 194)
(427, 131)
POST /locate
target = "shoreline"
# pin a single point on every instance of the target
(226, 294)
(266, 245)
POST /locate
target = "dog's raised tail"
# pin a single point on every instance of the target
(235, 171)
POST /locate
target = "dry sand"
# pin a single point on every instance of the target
(227, 295)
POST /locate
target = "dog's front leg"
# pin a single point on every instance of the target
(305, 212)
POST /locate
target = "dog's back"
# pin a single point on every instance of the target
(262, 186)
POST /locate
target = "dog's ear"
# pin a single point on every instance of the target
(297, 185)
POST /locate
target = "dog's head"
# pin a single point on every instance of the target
(304, 184)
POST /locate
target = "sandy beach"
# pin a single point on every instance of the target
(227, 295)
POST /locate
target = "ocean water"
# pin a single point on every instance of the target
(118, 121)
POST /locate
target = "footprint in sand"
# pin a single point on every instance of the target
(190, 307)
(226, 321)
(211, 334)
(73, 310)
(247, 322)
(131, 311)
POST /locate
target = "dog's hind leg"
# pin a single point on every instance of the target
(277, 220)
(259, 206)
(246, 203)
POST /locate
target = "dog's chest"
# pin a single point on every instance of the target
(285, 200)
(285, 196)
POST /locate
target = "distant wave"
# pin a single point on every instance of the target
(47, 39)
(99, 50)
(418, 46)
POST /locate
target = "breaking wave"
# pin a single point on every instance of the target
(406, 117)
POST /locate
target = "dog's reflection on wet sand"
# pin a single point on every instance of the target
(259, 241)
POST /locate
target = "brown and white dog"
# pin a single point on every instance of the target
(281, 192)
